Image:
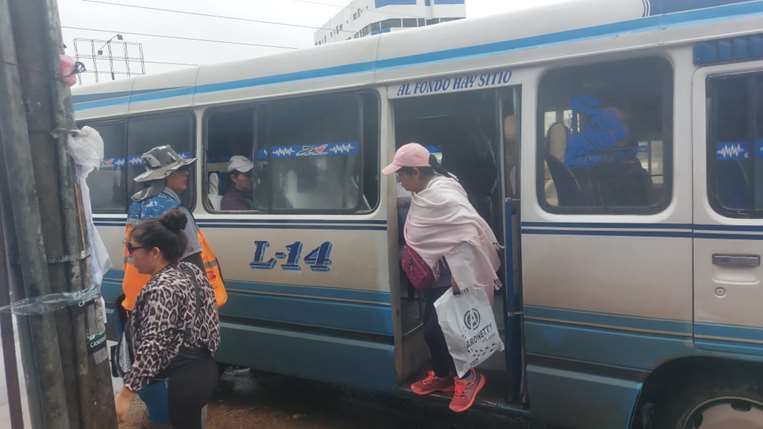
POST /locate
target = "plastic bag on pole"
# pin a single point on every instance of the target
(469, 327)
(86, 149)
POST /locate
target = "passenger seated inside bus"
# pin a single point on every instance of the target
(599, 165)
(239, 195)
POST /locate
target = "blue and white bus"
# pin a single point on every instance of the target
(616, 147)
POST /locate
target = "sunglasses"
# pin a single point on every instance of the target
(131, 248)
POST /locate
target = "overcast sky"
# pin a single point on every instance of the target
(241, 35)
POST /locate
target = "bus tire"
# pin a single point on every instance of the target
(716, 402)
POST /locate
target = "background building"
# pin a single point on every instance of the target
(363, 17)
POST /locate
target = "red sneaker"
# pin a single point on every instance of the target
(431, 384)
(466, 391)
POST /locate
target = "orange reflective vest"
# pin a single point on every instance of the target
(133, 281)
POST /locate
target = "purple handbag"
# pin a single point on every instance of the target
(419, 273)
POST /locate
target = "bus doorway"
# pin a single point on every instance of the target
(474, 135)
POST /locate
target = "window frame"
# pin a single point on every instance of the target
(124, 121)
(712, 197)
(112, 121)
(668, 153)
(193, 186)
(256, 106)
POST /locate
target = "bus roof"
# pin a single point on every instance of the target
(409, 54)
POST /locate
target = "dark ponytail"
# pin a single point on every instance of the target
(438, 168)
(166, 234)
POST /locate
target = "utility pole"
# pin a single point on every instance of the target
(67, 374)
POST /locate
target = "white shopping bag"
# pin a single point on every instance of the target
(469, 327)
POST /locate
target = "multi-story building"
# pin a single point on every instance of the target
(364, 17)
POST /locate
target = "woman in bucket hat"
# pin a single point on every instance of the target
(448, 234)
(165, 179)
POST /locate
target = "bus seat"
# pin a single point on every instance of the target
(556, 138)
(568, 189)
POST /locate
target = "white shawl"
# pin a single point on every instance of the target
(442, 223)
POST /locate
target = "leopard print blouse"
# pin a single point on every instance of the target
(165, 310)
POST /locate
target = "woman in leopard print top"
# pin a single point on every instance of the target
(174, 329)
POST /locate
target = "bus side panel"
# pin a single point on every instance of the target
(361, 364)
(579, 400)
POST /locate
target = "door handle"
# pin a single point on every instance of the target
(736, 261)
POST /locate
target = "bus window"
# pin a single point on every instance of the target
(231, 175)
(606, 133)
(107, 185)
(735, 144)
(146, 132)
(318, 154)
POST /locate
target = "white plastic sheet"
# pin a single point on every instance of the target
(469, 327)
(86, 149)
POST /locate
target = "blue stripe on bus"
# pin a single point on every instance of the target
(622, 340)
(331, 359)
(612, 225)
(276, 224)
(750, 228)
(349, 310)
(664, 234)
(731, 332)
(341, 316)
(619, 348)
(609, 320)
(299, 291)
(729, 236)
(640, 24)
(730, 346)
(256, 221)
(376, 222)
(719, 232)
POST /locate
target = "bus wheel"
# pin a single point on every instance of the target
(724, 405)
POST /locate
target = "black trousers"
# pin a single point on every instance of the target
(190, 386)
(442, 363)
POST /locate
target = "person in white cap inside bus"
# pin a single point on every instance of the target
(239, 196)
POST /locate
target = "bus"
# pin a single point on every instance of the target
(616, 149)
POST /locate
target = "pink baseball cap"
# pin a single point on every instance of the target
(408, 155)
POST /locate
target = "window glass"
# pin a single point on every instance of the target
(144, 133)
(606, 137)
(315, 154)
(232, 177)
(107, 185)
(410, 22)
(735, 144)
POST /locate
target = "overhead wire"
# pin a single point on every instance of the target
(209, 15)
(167, 36)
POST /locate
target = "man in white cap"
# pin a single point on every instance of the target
(240, 195)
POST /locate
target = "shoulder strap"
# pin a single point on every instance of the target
(197, 292)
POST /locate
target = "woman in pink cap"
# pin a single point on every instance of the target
(445, 230)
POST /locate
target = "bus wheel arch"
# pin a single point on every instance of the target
(693, 388)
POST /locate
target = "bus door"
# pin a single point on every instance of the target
(462, 128)
(728, 196)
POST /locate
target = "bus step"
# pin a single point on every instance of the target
(489, 400)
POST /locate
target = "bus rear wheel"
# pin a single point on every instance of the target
(728, 404)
